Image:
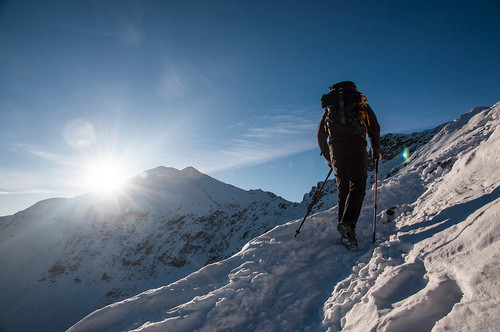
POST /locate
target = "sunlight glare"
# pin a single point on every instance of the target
(103, 176)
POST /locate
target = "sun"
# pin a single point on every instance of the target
(103, 176)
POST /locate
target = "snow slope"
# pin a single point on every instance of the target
(61, 259)
(435, 265)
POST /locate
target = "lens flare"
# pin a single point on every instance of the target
(79, 133)
(406, 153)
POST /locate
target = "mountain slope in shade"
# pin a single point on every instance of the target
(76, 255)
(434, 265)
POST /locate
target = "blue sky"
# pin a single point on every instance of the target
(229, 87)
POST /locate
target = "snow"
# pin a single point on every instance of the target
(74, 256)
(434, 265)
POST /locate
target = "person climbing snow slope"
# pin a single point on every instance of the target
(342, 140)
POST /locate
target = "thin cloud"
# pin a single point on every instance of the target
(19, 181)
(268, 138)
(131, 36)
(296, 126)
(44, 154)
(179, 78)
(30, 192)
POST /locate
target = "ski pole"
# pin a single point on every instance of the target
(375, 202)
(315, 199)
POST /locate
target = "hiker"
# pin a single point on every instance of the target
(342, 141)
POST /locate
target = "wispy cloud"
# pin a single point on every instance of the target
(266, 138)
(28, 192)
(179, 78)
(131, 35)
(279, 126)
(41, 152)
(250, 141)
(20, 181)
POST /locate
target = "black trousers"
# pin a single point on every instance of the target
(350, 166)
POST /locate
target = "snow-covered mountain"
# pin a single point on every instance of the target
(63, 258)
(435, 265)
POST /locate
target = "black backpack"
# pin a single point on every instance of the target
(345, 113)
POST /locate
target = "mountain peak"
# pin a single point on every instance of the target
(172, 173)
(191, 172)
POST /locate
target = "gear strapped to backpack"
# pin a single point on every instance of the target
(345, 110)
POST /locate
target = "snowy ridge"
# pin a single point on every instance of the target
(77, 255)
(434, 266)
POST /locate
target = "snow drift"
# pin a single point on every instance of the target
(433, 267)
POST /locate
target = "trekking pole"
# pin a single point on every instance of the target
(315, 199)
(375, 202)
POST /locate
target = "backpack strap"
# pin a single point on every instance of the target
(365, 118)
(341, 105)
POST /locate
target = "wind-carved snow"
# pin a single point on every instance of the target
(421, 278)
(433, 267)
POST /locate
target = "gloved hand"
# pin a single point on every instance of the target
(376, 155)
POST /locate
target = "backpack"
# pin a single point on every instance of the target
(345, 111)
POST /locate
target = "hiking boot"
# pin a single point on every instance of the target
(348, 236)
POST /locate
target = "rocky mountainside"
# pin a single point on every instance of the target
(76, 255)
